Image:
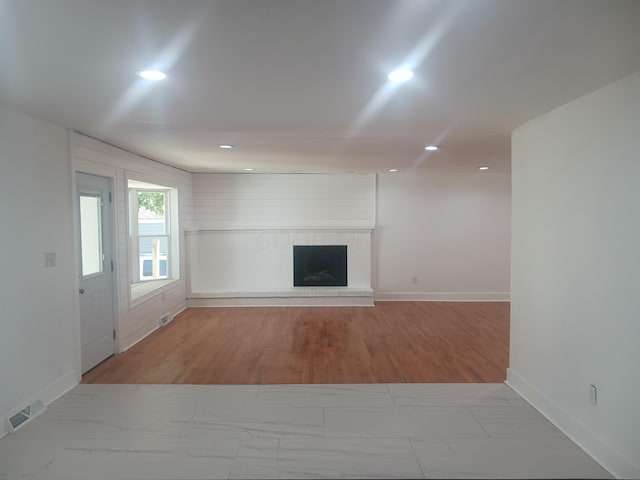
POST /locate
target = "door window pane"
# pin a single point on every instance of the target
(91, 234)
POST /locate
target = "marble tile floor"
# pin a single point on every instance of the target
(291, 431)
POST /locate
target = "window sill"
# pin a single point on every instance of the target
(143, 291)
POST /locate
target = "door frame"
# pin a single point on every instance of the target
(80, 165)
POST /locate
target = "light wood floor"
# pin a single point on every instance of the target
(394, 342)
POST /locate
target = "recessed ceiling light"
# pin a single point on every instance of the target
(225, 146)
(393, 169)
(484, 167)
(399, 76)
(249, 169)
(153, 75)
(431, 148)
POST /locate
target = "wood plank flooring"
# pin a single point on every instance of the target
(393, 342)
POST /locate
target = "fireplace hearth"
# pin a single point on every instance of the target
(319, 265)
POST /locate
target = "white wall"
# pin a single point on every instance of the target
(136, 320)
(576, 270)
(450, 230)
(37, 342)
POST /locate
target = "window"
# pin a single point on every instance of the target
(91, 233)
(154, 237)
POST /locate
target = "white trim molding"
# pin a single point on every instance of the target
(131, 338)
(51, 392)
(443, 296)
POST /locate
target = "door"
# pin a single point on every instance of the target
(97, 332)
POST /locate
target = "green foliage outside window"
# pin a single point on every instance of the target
(152, 202)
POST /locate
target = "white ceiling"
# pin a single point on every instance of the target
(300, 85)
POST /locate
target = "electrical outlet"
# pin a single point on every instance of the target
(50, 259)
(164, 320)
(593, 394)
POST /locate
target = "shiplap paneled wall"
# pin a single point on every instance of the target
(283, 201)
(98, 158)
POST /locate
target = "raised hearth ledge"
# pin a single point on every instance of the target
(294, 292)
(301, 296)
(279, 228)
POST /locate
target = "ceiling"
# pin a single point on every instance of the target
(301, 85)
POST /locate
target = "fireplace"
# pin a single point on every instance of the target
(319, 265)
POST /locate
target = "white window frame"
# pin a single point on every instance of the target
(142, 289)
(135, 232)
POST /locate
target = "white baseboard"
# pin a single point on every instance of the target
(137, 337)
(183, 307)
(143, 332)
(59, 387)
(272, 299)
(49, 394)
(603, 453)
(443, 296)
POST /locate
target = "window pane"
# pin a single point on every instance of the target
(90, 234)
(151, 248)
(152, 218)
(153, 231)
(147, 268)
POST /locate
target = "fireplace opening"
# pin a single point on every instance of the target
(319, 265)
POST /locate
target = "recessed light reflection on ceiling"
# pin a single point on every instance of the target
(249, 169)
(431, 148)
(225, 146)
(393, 169)
(484, 167)
(153, 75)
(399, 76)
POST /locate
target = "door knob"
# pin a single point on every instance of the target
(81, 291)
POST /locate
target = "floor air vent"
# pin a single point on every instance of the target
(23, 417)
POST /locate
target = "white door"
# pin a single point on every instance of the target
(97, 332)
